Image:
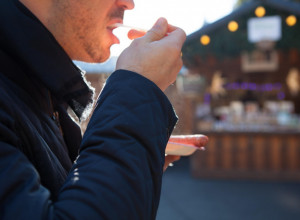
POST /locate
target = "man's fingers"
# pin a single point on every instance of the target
(177, 37)
(180, 35)
(171, 28)
(158, 31)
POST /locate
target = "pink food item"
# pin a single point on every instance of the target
(185, 145)
(133, 34)
(197, 140)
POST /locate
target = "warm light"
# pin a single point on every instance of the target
(291, 20)
(260, 11)
(233, 26)
(205, 40)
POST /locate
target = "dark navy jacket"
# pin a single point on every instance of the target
(118, 172)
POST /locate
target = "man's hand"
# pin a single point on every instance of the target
(157, 55)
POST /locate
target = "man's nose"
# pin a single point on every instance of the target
(126, 4)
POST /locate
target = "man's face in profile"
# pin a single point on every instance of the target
(84, 27)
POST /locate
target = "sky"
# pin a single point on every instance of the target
(189, 15)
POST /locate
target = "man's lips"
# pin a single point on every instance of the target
(110, 29)
(134, 32)
(112, 24)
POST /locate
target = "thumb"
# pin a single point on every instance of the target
(158, 31)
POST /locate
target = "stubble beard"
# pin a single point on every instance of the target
(100, 53)
(96, 53)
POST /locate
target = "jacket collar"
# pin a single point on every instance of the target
(24, 38)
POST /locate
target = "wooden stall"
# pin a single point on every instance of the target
(256, 155)
(249, 61)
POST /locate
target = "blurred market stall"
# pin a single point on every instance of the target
(242, 88)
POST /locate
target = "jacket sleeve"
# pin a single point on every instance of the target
(118, 172)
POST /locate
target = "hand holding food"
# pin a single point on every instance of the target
(157, 55)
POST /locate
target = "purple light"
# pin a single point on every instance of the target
(244, 86)
(267, 87)
(232, 86)
(207, 98)
(277, 86)
(280, 95)
(252, 86)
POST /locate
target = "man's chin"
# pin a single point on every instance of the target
(93, 58)
(102, 57)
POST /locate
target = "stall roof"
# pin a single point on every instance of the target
(225, 44)
(282, 5)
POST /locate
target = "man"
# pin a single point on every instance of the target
(47, 171)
